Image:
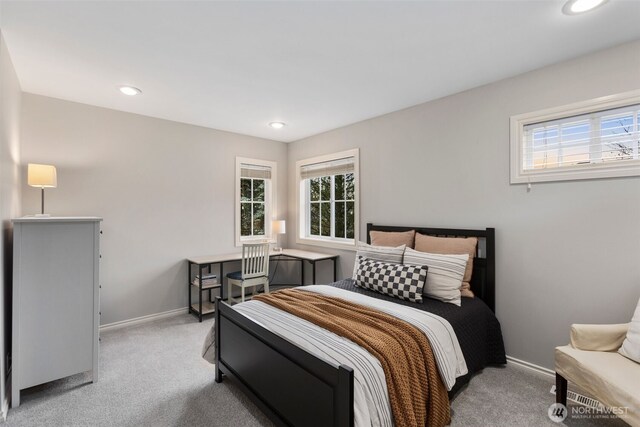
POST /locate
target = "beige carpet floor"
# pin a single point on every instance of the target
(153, 375)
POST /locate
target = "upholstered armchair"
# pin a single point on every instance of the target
(593, 364)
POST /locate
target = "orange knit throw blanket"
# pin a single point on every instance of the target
(416, 393)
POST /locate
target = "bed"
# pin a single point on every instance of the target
(293, 387)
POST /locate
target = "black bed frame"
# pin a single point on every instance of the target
(293, 387)
(483, 279)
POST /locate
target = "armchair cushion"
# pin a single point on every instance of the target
(631, 345)
(598, 337)
(606, 375)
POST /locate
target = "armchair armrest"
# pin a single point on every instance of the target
(598, 337)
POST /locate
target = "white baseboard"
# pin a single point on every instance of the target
(537, 368)
(143, 319)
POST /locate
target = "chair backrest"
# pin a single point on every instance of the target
(255, 260)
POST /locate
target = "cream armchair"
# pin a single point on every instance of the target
(593, 364)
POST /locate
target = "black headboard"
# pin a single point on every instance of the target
(483, 280)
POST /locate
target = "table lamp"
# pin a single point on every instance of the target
(43, 176)
(278, 227)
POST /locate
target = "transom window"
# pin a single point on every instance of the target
(255, 181)
(603, 140)
(328, 200)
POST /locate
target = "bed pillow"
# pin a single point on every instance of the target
(451, 246)
(378, 253)
(631, 344)
(393, 238)
(445, 274)
(397, 280)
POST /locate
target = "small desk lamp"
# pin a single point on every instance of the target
(43, 176)
(278, 227)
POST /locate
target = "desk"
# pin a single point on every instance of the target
(204, 263)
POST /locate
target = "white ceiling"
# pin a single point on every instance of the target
(317, 66)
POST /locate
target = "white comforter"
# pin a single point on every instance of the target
(371, 399)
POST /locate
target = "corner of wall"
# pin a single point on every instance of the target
(10, 204)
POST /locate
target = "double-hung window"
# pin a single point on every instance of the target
(594, 139)
(328, 200)
(255, 184)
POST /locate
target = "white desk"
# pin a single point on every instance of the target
(204, 263)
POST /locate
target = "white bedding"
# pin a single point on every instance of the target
(371, 399)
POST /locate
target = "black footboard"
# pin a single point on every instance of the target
(291, 386)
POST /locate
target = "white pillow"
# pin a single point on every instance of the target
(631, 345)
(378, 253)
(444, 274)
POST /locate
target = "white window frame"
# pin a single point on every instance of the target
(302, 213)
(574, 172)
(270, 201)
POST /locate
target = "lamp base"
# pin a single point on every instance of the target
(42, 215)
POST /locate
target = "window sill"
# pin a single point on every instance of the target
(328, 244)
(571, 173)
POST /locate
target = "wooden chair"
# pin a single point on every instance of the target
(254, 270)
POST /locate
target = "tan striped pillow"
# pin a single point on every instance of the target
(378, 253)
(444, 274)
(451, 246)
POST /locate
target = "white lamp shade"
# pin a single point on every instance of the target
(279, 227)
(43, 176)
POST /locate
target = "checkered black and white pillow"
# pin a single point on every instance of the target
(397, 280)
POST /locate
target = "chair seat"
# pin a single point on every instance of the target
(236, 275)
(608, 376)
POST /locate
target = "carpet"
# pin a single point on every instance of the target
(152, 375)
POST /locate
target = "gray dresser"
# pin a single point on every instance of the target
(56, 300)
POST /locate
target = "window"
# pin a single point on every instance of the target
(594, 139)
(255, 181)
(328, 200)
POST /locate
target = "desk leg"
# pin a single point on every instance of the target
(209, 270)
(217, 347)
(335, 269)
(189, 283)
(301, 272)
(313, 271)
(222, 281)
(200, 296)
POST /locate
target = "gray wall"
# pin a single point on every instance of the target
(164, 189)
(10, 97)
(567, 252)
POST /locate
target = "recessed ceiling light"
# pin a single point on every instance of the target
(276, 125)
(573, 7)
(130, 90)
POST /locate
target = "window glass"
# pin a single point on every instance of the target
(592, 139)
(254, 198)
(328, 199)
